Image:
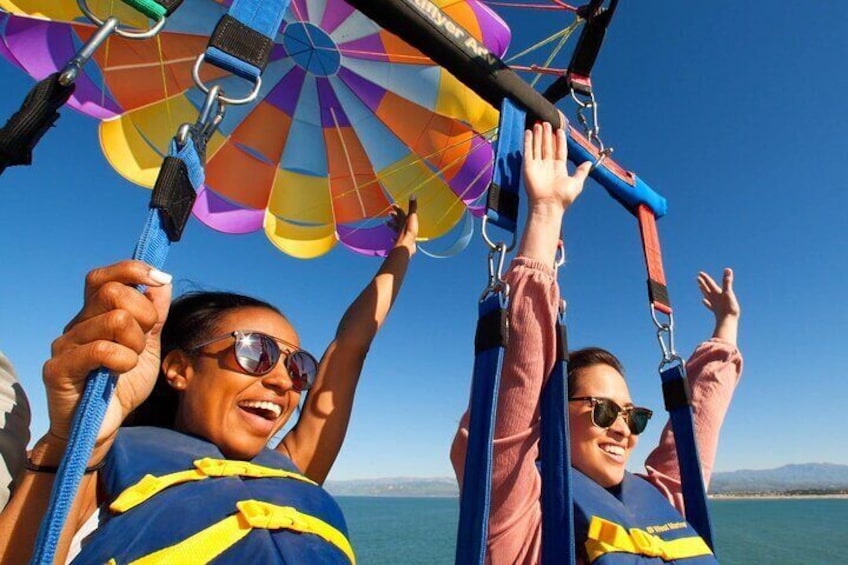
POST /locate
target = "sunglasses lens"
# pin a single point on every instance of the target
(256, 353)
(638, 420)
(605, 412)
(302, 369)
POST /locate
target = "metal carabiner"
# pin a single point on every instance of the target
(496, 260)
(73, 68)
(123, 32)
(489, 242)
(669, 355)
(207, 121)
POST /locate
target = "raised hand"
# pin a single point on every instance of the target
(117, 328)
(722, 302)
(405, 224)
(550, 190)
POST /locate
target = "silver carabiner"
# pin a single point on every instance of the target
(72, 70)
(496, 261)
(207, 120)
(128, 33)
(669, 355)
(489, 242)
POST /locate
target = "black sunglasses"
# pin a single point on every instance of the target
(605, 411)
(258, 353)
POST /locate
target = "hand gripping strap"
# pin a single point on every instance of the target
(152, 248)
(490, 343)
(243, 39)
(554, 445)
(502, 203)
(691, 476)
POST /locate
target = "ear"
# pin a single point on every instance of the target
(178, 369)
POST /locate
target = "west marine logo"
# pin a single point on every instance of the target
(454, 30)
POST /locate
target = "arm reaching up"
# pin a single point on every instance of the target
(314, 443)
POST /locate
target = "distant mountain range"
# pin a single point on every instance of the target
(789, 478)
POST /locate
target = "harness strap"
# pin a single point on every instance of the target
(608, 537)
(151, 485)
(26, 127)
(558, 545)
(207, 544)
(490, 346)
(502, 196)
(244, 37)
(657, 289)
(676, 391)
(578, 76)
(152, 248)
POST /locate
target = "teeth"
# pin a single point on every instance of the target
(264, 405)
(613, 449)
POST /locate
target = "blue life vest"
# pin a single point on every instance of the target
(173, 498)
(632, 524)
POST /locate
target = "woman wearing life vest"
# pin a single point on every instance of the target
(604, 423)
(188, 477)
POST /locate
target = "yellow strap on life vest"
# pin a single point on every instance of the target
(206, 545)
(608, 537)
(150, 485)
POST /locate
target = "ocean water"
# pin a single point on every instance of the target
(418, 531)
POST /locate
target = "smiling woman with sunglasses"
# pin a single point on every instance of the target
(181, 471)
(604, 423)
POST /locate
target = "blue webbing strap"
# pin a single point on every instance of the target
(675, 388)
(489, 346)
(558, 544)
(152, 248)
(502, 198)
(490, 342)
(243, 40)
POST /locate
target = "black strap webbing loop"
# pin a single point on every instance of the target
(174, 195)
(676, 392)
(26, 127)
(242, 42)
(492, 331)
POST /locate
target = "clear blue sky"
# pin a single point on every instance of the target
(734, 111)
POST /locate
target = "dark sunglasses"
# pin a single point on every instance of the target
(605, 411)
(258, 353)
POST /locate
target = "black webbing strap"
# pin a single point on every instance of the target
(578, 76)
(242, 42)
(174, 196)
(39, 111)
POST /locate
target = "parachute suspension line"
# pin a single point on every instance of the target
(562, 35)
(166, 97)
(356, 188)
(570, 29)
(554, 6)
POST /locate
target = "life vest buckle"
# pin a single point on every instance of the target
(646, 543)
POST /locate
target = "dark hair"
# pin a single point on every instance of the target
(192, 318)
(582, 358)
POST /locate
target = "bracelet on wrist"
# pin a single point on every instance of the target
(53, 469)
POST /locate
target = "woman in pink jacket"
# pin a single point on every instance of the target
(604, 423)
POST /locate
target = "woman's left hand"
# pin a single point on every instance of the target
(405, 224)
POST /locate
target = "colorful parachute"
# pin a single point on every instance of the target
(349, 118)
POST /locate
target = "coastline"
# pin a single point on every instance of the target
(777, 496)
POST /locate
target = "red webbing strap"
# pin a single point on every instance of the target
(657, 290)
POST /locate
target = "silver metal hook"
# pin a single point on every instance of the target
(74, 67)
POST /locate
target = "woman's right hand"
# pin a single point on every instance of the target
(117, 328)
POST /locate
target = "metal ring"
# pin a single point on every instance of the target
(195, 74)
(123, 32)
(489, 242)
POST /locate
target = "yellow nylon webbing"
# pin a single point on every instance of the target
(209, 543)
(608, 537)
(150, 485)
